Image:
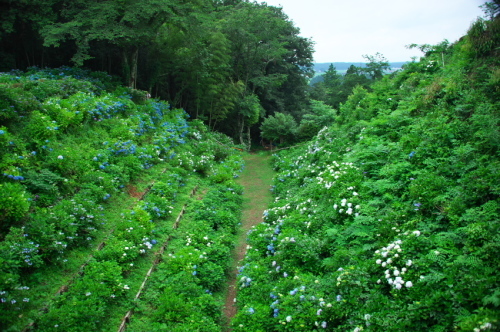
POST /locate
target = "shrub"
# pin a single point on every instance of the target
(14, 203)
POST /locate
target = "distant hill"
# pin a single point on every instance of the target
(343, 66)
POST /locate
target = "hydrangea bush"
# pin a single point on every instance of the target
(185, 291)
(389, 219)
(71, 144)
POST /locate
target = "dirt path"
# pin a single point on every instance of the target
(256, 180)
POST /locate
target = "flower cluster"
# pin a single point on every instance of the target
(346, 206)
(484, 326)
(7, 298)
(127, 147)
(391, 258)
(245, 281)
(13, 177)
(329, 176)
(106, 108)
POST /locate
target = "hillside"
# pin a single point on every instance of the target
(343, 66)
(389, 220)
(227, 63)
(100, 188)
(119, 211)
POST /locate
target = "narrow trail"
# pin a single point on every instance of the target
(256, 180)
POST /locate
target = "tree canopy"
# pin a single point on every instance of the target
(335, 88)
(280, 127)
(208, 57)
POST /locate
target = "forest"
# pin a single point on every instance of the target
(224, 62)
(124, 130)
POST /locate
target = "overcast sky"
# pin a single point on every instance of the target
(345, 30)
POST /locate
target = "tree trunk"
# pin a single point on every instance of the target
(130, 60)
(126, 67)
(133, 69)
(241, 124)
(249, 141)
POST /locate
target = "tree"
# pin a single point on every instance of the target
(268, 57)
(317, 90)
(21, 44)
(248, 113)
(438, 50)
(129, 25)
(353, 109)
(213, 58)
(354, 76)
(333, 83)
(491, 9)
(280, 127)
(376, 67)
(319, 116)
(219, 99)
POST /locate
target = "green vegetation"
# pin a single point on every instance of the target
(93, 175)
(228, 63)
(321, 68)
(184, 292)
(388, 220)
(118, 208)
(335, 88)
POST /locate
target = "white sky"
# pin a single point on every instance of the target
(345, 30)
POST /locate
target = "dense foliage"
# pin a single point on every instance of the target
(208, 57)
(334, 89)
(74, 147)
(180, 296)
(388, 220)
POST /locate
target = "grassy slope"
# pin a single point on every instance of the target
(394, 211)
(78, 156)
(256, 180)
